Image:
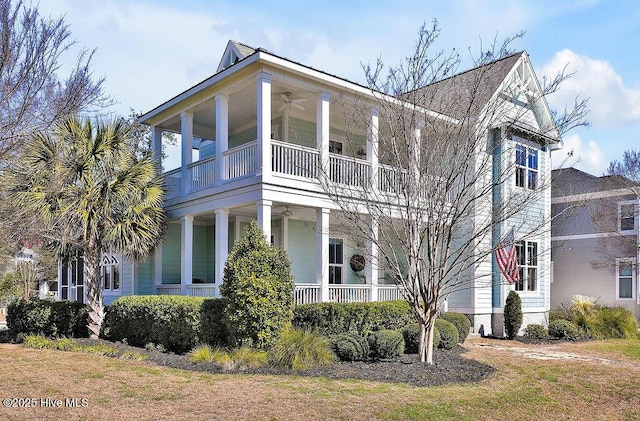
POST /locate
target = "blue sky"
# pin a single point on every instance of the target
(151, 50)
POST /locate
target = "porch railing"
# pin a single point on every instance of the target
(169, 289)
(172, 182)
(295, 160)
(349, 293)
(202, 290)
(202, 173)
(349, 171)
(306, 294)
(391, 179)
(240, 161)
(389, 293)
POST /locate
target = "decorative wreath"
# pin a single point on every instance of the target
(357, 262)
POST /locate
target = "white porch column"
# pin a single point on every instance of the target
(222, 135)
(372, 271)
(221, 245)
(372, 148)
(322, 252)
(264, 217)
(322, 131)
(186, 130)
(264, 126)
(156, 145)
(186, 253)
(157, 266)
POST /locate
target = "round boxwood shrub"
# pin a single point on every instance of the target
(411, 334)
(257, 290)
(460, 321)
(350, 347)
(564, 329)
(449, 337)
(536, 331)
(386, 343)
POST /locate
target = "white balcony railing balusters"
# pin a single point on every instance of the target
(295, 160)
(202, 173)
(240, 161)
(172, 182)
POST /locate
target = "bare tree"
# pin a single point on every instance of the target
(140, 136)
(32, 93)
(429, 212)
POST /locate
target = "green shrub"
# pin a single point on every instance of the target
(386, 343)
(257, 290)
(103, 350)
(613, 323)
(564, 329)
(201, 354)
(46, 317)
(247, 357)
(66, 344)
(361, 318)
(350, 347)
(449, 337)
(460, 321)
(561, 313)
(299, 349)
(37, 342)
(536, 331)
(172, 321)
(212, 328)
(512, 314)
(411, 334)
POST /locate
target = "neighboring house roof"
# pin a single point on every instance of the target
(572, 181)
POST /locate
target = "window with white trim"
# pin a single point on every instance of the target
(625, 279)
(626, 216)
(336, 260)
(526, 167)
(527, 252)
(110, 272)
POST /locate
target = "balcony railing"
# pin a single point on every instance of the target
(295, 160)
(202, 173)
(306, 293)
(240, 161)
(169, 289)
(288, 160)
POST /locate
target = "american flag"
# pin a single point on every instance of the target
(507, 258)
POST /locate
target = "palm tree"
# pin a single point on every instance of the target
(92, 194)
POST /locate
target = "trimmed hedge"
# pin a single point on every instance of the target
(411, 334)
(564, 329)
(460, 321)
(512, 314)
(361, 318)
(350, 347)
(449, 337)
(386, 343)
(176, 322)
(46, 317)
(536, 331)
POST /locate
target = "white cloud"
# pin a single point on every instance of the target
(586, 156)
(611, 102)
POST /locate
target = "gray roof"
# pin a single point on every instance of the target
(243, 49)
(571, 181)
(466, 93)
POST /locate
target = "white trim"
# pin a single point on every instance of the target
(590, 236)
(631, 261)
(633, 203)
(591, 196)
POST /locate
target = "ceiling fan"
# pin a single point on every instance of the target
(288, 102)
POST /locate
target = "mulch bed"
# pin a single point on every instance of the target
(449, 367)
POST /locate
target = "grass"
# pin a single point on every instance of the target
(521, 388)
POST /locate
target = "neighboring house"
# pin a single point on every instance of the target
(251, 138)
(594, 239)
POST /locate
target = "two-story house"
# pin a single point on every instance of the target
(594, 239)
(252, 138)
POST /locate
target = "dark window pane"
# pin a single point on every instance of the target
(532, 181)
(531, 279)
(625, 289)
(116, 277)
(521, 155)
(532, 254)
(533, 159)
(520, 176)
